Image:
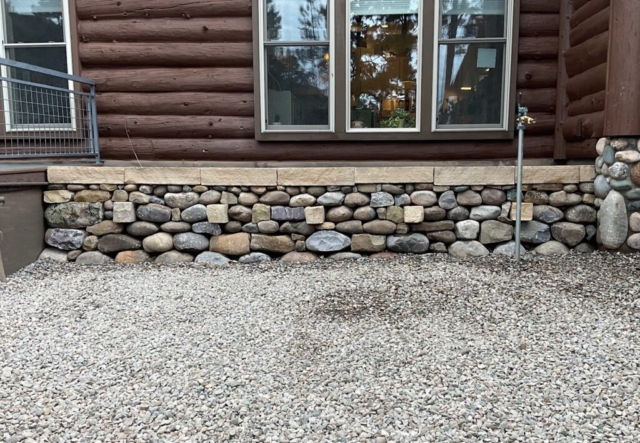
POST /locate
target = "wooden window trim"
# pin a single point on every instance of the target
(426, 103)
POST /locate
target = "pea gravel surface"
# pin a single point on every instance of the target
(411, 349)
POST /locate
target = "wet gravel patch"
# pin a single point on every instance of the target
(408, 349)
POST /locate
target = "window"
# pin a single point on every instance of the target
(36, 32)
(385, 69)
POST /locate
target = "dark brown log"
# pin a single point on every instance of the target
(172, 79)
(559, 149)
(172, 126)
(540, 5)
(591, 27)
(588, 105)
(539, 25)
(252, 150)
(177, 103)
(577, 4)
(214, 30)
(582, 150)
(587, 11)
(537, 74)
(587, 55)
(545, 124)
(539, 100)
(583, 127)
(537, 48)
(622, 106)
(587, 83)
(101, 9)
(167, 54)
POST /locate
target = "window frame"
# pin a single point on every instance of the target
(339, 102)
(70, 53)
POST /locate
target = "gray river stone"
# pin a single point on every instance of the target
(613, 223)
(410, 244)
(381, 200)
(547, 214)
(212, 258)
(465, 249)
(535, 232)
(190, 242)
(194, 213)
(328, 241)
(74, 215)
(601, 186)
(206, 228)
(66, 239)
(448, 200)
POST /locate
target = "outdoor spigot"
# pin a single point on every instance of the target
(523, 118)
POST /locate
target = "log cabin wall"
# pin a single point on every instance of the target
(175, 82)
(585, 63)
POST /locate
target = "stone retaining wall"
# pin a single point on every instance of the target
(617, 185)
(214, 215)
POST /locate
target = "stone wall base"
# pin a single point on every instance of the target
(137, 222)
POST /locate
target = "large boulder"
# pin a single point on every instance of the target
(118, 242)
(280, 244)
(410, 244)
(74, 215)
(368, 243)
(154, 212)
(568, 233)
(198, 213)
(493, 231)
(547, 214)
(93, 258)
(613, 223)
(212, 258)
(142, 229)
(535, 232)
(54, 254)
(551, 248)
(232, 244)
(467, 230)
(327, 241)
(65, 239)
(485, 212)
(381, 200)
(190, 242)
(581, 214)
(466, 249)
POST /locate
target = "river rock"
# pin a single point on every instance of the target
(634, 174)
(285, 213)
(584, 248)
(608, 155)
(339, 214)
(197, 213)
(467, 230)
(482, 213)
(535, 232)
(350, 227)
(466, 249)
(447, 200)
(381, 200)
(327, 241)
(254, 257)
(551, 248)
(493, 197)
(619, 171)
(299, 257)
(368, 243)
(105, 227)
(536, 197)
(175, 227)
(631, 156)
(160, 242)
(469, 198)
(302, 200)
(173, 257)
(408, 244)
(581, 214)
(402, 200)
(231, 244)
(493, 231)
(154, 213)
(133, 257)
(366, 213)
(242, 213)
(275, 198)
(280, 244)
(379, 227)
(90, 243)
(59, 196)
(212, 258)
(190, 242)
(562, 198)
(65, 239)
(206, 228)
(301, 228)
(634, 222)
(247, 199)
(90, 196)
(93, 258)
(547, 214)
(613, 223)
(118, 242)
(508, 249)
(602, 187)
(619, 144)
(73, 215)
(634, 242)
(434, 213)
(356, 199)
(622, 185)
(458, 214)
(568, 233)
(142, 229)
(181, 200)
(139, 198)
(424, 198)
(210, 198)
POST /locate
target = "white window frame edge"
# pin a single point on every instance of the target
(263, 74)
(419, 81)
(506, 84)
(69, 53)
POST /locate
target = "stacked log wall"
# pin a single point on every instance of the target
(586, 67)
(175, 82)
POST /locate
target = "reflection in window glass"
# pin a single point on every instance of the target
(472, 18)
(384, 63)
(297, 86)
(34, 21)
(470, 84)
(297, 20)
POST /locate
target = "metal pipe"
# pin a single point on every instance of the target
(521, 128)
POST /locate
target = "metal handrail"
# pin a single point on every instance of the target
(51, 72)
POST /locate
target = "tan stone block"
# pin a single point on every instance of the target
(474, 175)
(162, 176)
(550, 174)
(315, 176)
(395, 214)
(260, 212)
(413, 214)
(370, 188)
(314, 215)
(231, 244)
(175, 214)
(411, 174)
(85, 174)
(526, 211)
(368, 243)
(239, 176)
(587, 173)
(218, 213)
(120, 195)
(61, 196)
(326, 226)
(124, 212)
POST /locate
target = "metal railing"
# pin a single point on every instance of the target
(46, 113)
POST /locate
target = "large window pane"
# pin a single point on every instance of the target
(34, 21)
(470, 84)
(297, 20)
(297, 86)
(472, 18)
(384, 63)
(36, 105)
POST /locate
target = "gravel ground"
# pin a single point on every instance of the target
(412, 349)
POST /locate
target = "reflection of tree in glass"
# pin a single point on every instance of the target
(274, 21)
(313, 19)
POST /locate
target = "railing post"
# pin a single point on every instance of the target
(94, 125)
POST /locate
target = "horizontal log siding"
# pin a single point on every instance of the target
(586, 67)
(175, 82)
